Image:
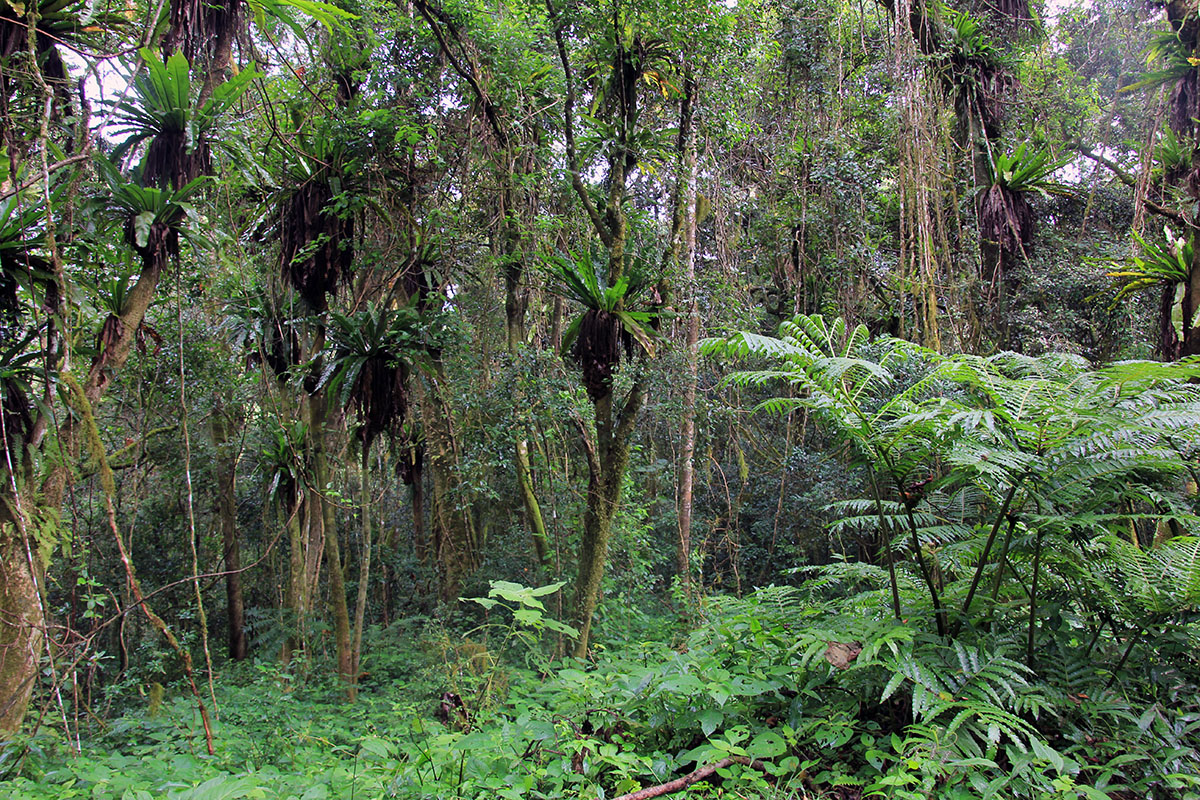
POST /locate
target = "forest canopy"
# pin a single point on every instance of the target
(762, 398)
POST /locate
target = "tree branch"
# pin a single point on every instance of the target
(598, 223)
(693, 778)
(491, 111)
(1129, 180)
(589, 445)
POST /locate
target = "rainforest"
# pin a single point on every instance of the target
(472, 399)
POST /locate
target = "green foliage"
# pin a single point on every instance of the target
(1156, 265)
(579, 280)
(1027, 172)
(151, 216)
(1165, 47)
(162, 101)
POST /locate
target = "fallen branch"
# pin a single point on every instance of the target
(692, 778)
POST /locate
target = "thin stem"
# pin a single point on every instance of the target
(987, 549)
(887, 545)
(1003, 560)
(939, 612)
(1037, 564)
(1124, 657)
(191, 510)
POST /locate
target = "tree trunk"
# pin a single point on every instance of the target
(22, 618)
(1190, 345)
(222, 424)
(321, 507)
(364, 573)
(455, 543)
(296, 597)
(606, 473)
(420, 545)
(21, 622)
(533, 511)
(691, 354)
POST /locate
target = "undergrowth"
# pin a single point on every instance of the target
(827, 694)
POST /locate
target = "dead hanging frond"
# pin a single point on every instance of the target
(316, 250)
(172, 161)
(370, 366)
(197, 26)
(145, 334)
(975, 73)
(1185, 102)
(111, 332)
(1005, 215)
(597, 350)
(607, 326)
(1006, 219)
(380, 396)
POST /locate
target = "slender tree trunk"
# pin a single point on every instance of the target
(296, 595)
(1190, 344)
(420, 544)
(687, 469)
(322, 508)
(364, 573)
(222, 424)
(533, 510)
(454, 538)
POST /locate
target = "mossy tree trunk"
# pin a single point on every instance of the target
(607, 464)
(455, 542)
(22, 621)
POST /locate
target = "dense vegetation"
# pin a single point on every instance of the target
(772, 398)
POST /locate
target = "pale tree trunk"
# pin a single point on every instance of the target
(691, 344)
